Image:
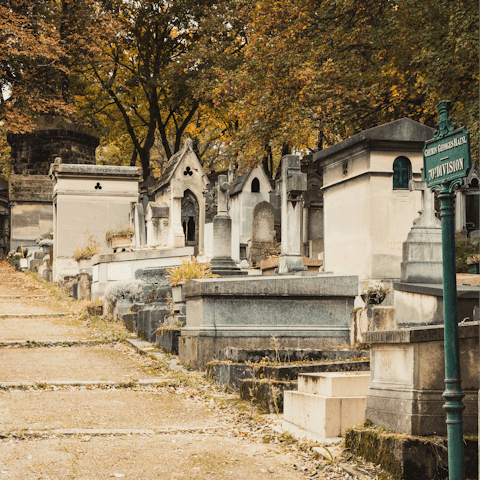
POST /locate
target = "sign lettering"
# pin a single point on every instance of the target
(447, 158)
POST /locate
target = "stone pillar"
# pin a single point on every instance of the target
(139, 225)
(460, 212)
(176, 237)
(222, 263)
(305, 232)
(290, 188)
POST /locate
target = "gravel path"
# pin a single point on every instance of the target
(179, 427)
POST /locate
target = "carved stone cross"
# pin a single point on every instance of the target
(222, 194)
(427, 218)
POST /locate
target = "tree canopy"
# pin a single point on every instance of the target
(247, 80)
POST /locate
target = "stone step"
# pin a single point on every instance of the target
(254, 355)
(82, 383)
(231, 374)
(335, 384)
(53, 343)
(23, 296)
(324, 416)
(267, 394)
(31, 315)
(98, 432)
(291, 371)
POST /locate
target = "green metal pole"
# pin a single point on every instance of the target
(453, 391)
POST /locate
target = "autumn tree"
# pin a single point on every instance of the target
(154, 73)
(315, 72)
(29, 48)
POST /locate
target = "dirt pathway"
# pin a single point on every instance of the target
(77, 402)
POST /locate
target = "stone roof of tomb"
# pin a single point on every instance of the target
(238, 182)
(94, 170)
(240, 179)
(402, 130)
(173, 163)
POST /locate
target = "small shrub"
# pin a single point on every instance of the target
(463, 250)
(87, 251)
(128, 290)
(189, 270)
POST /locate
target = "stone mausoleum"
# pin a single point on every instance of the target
(30, 187)
(368, 207)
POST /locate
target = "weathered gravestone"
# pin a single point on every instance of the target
(263, 231)
(137, 219)
(156, 217)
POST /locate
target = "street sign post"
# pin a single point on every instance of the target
(446, 159)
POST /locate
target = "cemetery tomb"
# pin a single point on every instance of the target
(368, 209)
(88, 200)
(300, 311)
(181, 188)
(248, 189)
(30, 187)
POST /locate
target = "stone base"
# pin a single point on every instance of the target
(300, 312)
(168, 339)
(289, 264)
(412, 458)
(422, 304)
(422, 256)
(225, 267)
(418, 413)
(408, 372)
(371, 319)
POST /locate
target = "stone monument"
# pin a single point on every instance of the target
(422, 251)
(222, 263)
(290, 188)
(263, 231)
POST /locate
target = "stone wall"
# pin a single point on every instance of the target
(32, 153)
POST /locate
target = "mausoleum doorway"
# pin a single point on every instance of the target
(190, 220)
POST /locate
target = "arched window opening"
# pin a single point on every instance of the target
(191, 230)
(402, 173)
(255, 185)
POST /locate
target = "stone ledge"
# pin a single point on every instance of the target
(142, 255)
(275, 286)
(95, 170)
(463, 291)
(420, 334)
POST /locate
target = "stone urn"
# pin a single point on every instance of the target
(120, 242)
(46, 246)
(84, 264)
(374, 298)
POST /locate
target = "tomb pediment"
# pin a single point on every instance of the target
(184, 165)
(403, 131)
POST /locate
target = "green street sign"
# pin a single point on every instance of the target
(448, 158)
